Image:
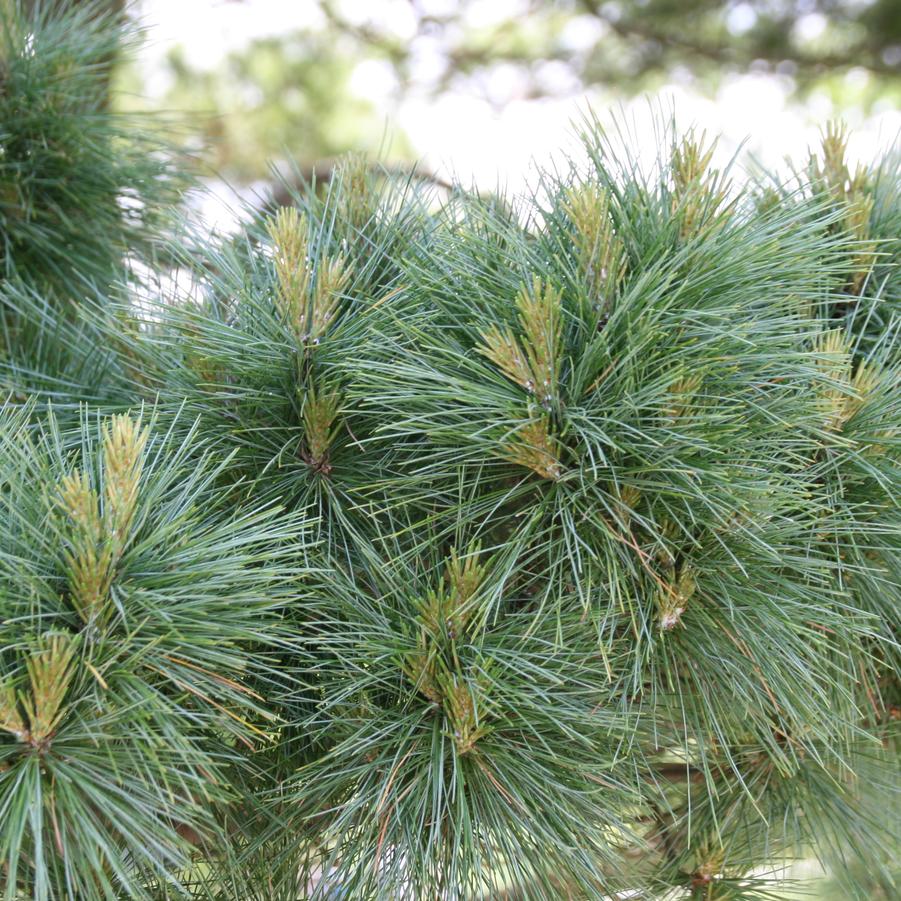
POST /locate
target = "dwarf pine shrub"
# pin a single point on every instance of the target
(429, 546)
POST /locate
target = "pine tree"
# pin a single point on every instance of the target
(442, 547)
(85, 197)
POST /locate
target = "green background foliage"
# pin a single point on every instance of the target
(293, 95)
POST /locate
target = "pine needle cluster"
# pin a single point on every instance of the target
(85, 197)
(136, 639)
(82, 189)
(463, 547)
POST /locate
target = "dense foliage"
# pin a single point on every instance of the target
(417, 546)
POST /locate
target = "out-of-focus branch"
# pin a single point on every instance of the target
(322, 171)
(637, 27)
(730, 54)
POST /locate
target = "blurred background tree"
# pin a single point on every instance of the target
(315, 78)
(277, 97)
(629, 44)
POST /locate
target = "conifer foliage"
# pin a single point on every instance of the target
(451, 547)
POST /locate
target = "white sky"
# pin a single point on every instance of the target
(468, 135)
